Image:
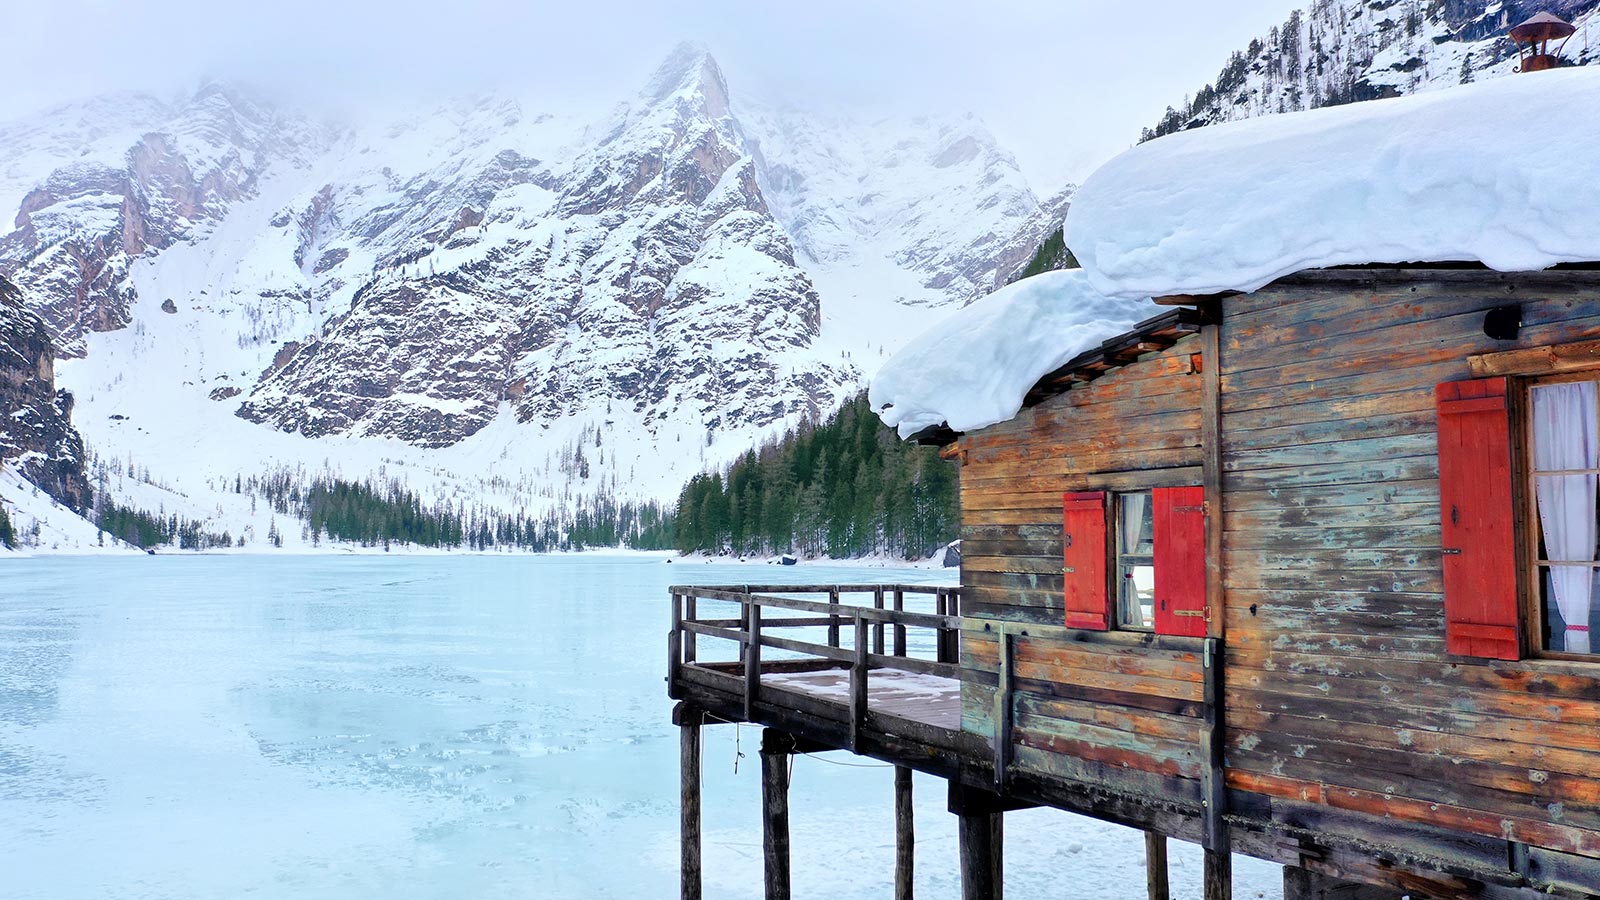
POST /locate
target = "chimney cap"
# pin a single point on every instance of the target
(1541, 27)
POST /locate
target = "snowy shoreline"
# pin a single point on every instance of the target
(339, 549)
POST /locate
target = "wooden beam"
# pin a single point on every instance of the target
(1213, 780)
(1002, 709)
(1300, 884)
(689, 722)
(1211, 474)
(905, 839)
(776, 747)
(1155, 866)
(1537, 360)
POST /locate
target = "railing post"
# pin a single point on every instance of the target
(877, 627)
(674, 646)
(689, 636)
(833, 617)
(899, 629)
(752, 656)
(858, 685)
(940, 645)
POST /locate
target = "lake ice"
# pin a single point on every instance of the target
(429, 726)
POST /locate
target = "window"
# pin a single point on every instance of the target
(1563, 466)
(1135, 570)
(1135, 560)
(1520, 583)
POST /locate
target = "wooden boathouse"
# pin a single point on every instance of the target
(1304, 572)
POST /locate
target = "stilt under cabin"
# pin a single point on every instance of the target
(1297, 562)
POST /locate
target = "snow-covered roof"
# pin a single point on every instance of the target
(975, 368)
(1505, 172)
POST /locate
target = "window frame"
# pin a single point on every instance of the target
(1117, 558)
(1530, 575)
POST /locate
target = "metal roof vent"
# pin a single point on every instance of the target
(1533, 39)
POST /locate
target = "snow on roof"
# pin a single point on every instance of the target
(1505, 172)
(974, 369)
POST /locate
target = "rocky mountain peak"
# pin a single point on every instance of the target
(690, 73)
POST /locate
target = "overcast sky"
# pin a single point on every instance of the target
(1065, 84)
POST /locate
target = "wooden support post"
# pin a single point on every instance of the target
(689, 721)
(858, 685)
(904, 834)
(1155, 866)
(1219, 874)
(776, 746)
(981, 834)
(752, 659)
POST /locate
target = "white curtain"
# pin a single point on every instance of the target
(1133, 513)
(1131, 525)
(1566, 435)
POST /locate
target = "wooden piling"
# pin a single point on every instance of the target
(1219, 875)
(776, 747)
(981, 835)
(904, 834)
(1155, 865)
(689, 721)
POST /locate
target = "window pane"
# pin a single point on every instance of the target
(1135, 530)
(1136, 592)
(1566, 437)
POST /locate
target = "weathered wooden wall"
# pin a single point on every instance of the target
(1117, 710)
(1137, 427)
(1123, 714)
(1339, 692)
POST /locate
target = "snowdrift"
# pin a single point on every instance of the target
(1504, 172)
(975, 368)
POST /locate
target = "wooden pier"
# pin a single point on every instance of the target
(860, 686)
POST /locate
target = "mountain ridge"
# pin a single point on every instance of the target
(478, 292)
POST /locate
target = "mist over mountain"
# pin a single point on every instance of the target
(493, 305)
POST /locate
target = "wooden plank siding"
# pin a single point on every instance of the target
(1122, 716)
(1339, 689)
(1348, 730)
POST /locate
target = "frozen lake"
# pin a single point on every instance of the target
(428, 726)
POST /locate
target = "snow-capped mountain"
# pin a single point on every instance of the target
(1342, 51)
(465, 298)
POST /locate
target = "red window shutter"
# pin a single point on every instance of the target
(1180, 538)
(1083, 548)
(1480, 557)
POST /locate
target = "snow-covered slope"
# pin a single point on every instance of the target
(464, 299)
(1341, 51)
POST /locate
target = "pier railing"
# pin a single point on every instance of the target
(881, 633)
